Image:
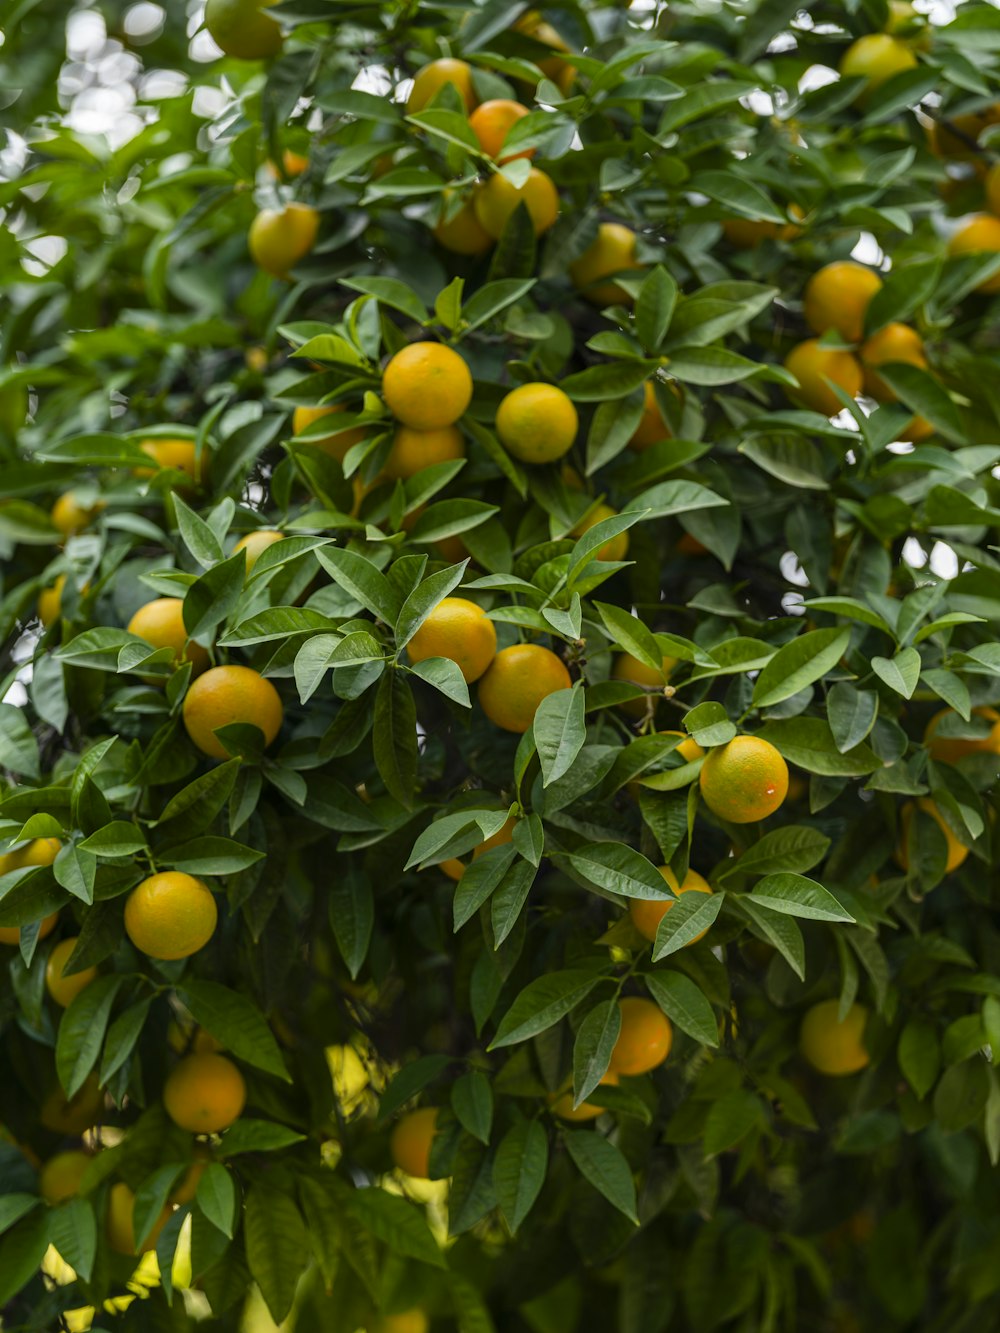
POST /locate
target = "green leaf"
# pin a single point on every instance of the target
(18, 746)
(445, 676)
(808, 743)
(390, 291)
(472, 1102)
(689, 917)
(255, 1136)
(901, 672)
(479, 880)
(411, 1079)
(852, 714)
(614, 379)
(277, 1246)
(684, 1004)
(360, 579)
(792, 459)
(795, 847)
(210, 856)
(709, 724)
(730, 1120)
(595, 1041)
(216, 1197)
(214, 596)
(424, 598)
(352, 916)
(395, 737)
(398, 1224)
(560, 731)
(448, 304)
(629, 633)
(919, 1055)
(21, 1252)
(122, 1036)
(796, 665)
(605, 1167)
(619, 869)
(234, 1020)
(81, 1031)
(542, 1003)
(493, 297)
(120, 838)
(795, 895)
(654, 307)
(15, 1206)
(924, 394)
(780, 930)
(519, 1170)
(509, 898)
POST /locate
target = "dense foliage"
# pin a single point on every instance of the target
(730, 546)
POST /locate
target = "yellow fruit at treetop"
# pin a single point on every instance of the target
(462, 233)
(491, 122)
(337, 443)
(496, 199)
(38, 852)
(120, 1223)
(980, 235)
(895, 342)
(612, 251)
(992, 188)
(629, 668)
(50, 601)
(537, 423)
(292, 164)
(837, 297)
(957, 851)
(615, 548)
(459, 630)
(517, 681)
(411, 1140)
(949, 749)
(876, 57)
(812, 365)
(432, 78)
(60, 1177)
(161, 624)
(427, 386)
(170, 915)
(72, 1115)
(407, 1321)
(204, 1093)
(688, 749)
(69, 515)
(745, 780)
(832, 1047)
(279, 238)
(413, 450)
(240, 29)
(256, 543)
(647, 913)
(746, 233)
(64, 989)
(561, 1101)
(177, 454)
(455, 868)
(651, 428)
(645, 1038)
(228, 694)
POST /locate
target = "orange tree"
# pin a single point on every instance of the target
(499, 616)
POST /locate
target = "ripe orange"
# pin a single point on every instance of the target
(876, 57)
(292, 164)
(517, 681)
(746, 233)
(645, 1038)
(957, 851)
(895, 342)
(950, 749)
(812, 365)
(432, 78)
(745, 780)
(832, 1047)
(170, 915)
(256, 543)
(837, 297)
(240, 29)
(943, 142)
(406, 1321)
(460, 630)
(651, 428)
(992, 188)
(980, 235)
(411, 1140)
(50, 601)
(627, 667)
(612, 251)
(120, 1224)
(455, 869)
(279, 238)
(413, 450)
(427, 386)
(59, 1179)
(561, 1101)
(227, 694)
(64, 989)
(69, 515)
(537, 423)
(204, 1093)
(491, 122)
(560, 72)
(176, 454)
(462, 233)
(39, 852)
(688, 749)
(496, 199)
(647, 913)
(615, 548)
(161, 624)
(337, 443)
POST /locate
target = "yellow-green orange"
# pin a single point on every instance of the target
(461, 232)
(161, 624)
(411, 1141)
(647, 913)
(496, 199)
(651, 428)
(459, 630)
(517, 681)
(38, 852)
(180, 455)
(837, 297)
(537, 423)
(561, 1101)
(876, 57)
(645, 1037)
(256, 543)
(240, 28)
(979, 236)
(611, 252)
(833, 1047)
(949, 749)
(70, 515)
(64, 989)
(427, 386)
(636, 672)
(745, 780)
(170, 915)
(279, 238)
(59, 1179)
(813, 365)
(433, 77)
(957, 851)
(225, 695)
(337, 442)
(413, 450)
(615, 548)
(204, 1093)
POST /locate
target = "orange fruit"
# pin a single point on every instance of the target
(876, 57)
(455, 869)
(161, 624)
(59, 1179)
(256, 543)
(279, 238)
(746, 233)
(69, 515)
(491, 122)
(957, 851)
(561, 1101)
(537, 423)
(812, 365)
(647, 913)
(432, 78)
(292, 164)
(170, 915)
(240, 29)
(176, 454)
(459, 630)
(895, 342)
(944, 142)
(411, 1140)
(120, 1224)
(413, 450)
(950, 749)
(651, 428)
(615, 548)
(427, 386)
(461, 233)
(406, 1321)
(72, 1116)
(204, 1093)
(612, 251)
(64, 989)
(980, 235)
(38, 852)
(560, 72)
(837, 297)
(745, 780)
(627, 667)
(645, 1038)
(517, 681)
(227, 694)
(50, 601)
(688, 749)
(832, 1047)
(496, 199)
(337, 443)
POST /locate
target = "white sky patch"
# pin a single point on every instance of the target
(868, 251)
(944, 561)
(143, 22)
(817, 76)
(914, 554)
(792, 571)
